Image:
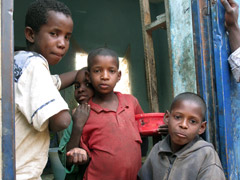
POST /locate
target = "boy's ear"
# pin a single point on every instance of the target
(29, 34)
(202, 128)
(166, 117)
(87, 75)
(119, 75)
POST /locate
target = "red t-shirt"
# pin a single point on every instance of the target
(112, 140)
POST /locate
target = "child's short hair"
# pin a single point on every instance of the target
(101, 52)
(37, 13)
(192, 97)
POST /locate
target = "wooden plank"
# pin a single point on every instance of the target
(150, 67)
(159, 23)
(8, 108)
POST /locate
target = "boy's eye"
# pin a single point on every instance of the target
(96, 71)
(177, 117)
(193, 121)
(76, 86)
(67, 37)
(53, 34)
(112, 71)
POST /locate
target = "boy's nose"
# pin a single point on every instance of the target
(184, 124)
(61, 42)
(81, 88)
(105, 75)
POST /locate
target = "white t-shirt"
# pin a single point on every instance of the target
(234, 61)
(36, 100)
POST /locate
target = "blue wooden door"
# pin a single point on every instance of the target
(216, 84)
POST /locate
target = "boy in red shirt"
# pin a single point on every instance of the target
(110, 135)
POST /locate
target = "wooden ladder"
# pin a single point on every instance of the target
(150, 68)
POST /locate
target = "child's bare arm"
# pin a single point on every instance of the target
(59, 121)
(67, 79)
(80, 117)
(231, 23)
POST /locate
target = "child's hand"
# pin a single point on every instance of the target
(231, 14)
(77, 156)
(80, 115)
(163, 129)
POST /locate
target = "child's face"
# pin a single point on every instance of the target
(52, 40)
(104, 74)
(83, 92)
(184, 123)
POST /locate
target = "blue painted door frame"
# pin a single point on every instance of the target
(215, 83)
(8, 108)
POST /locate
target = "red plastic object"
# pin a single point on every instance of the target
(148, 123)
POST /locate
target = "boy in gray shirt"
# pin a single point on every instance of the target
(183, 154)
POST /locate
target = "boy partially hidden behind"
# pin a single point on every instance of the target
(183, 154)
(39, 105)
(110, 135)
(71, 155)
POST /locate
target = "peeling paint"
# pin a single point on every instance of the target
(183, 62)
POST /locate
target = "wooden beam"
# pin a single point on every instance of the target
(159, 23)
(150, 67)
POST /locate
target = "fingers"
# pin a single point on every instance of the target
(226, 5)
(84, 107)
(163, 129)
(77, 156)
(231, 2)
(73, 111)
(229, 5)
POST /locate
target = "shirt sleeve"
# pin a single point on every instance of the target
(57, 81)
(37, 96)
(234, 62)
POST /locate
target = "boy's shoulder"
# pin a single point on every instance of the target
(202, 151)
(127, 97)
(22, 60)
(128, 100)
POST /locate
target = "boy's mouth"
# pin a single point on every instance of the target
(181, 135)
(82, 97)
(59, 55)
(103, 86)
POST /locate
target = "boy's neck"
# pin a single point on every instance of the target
(108, 101)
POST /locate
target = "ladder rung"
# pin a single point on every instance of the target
(160, 22)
